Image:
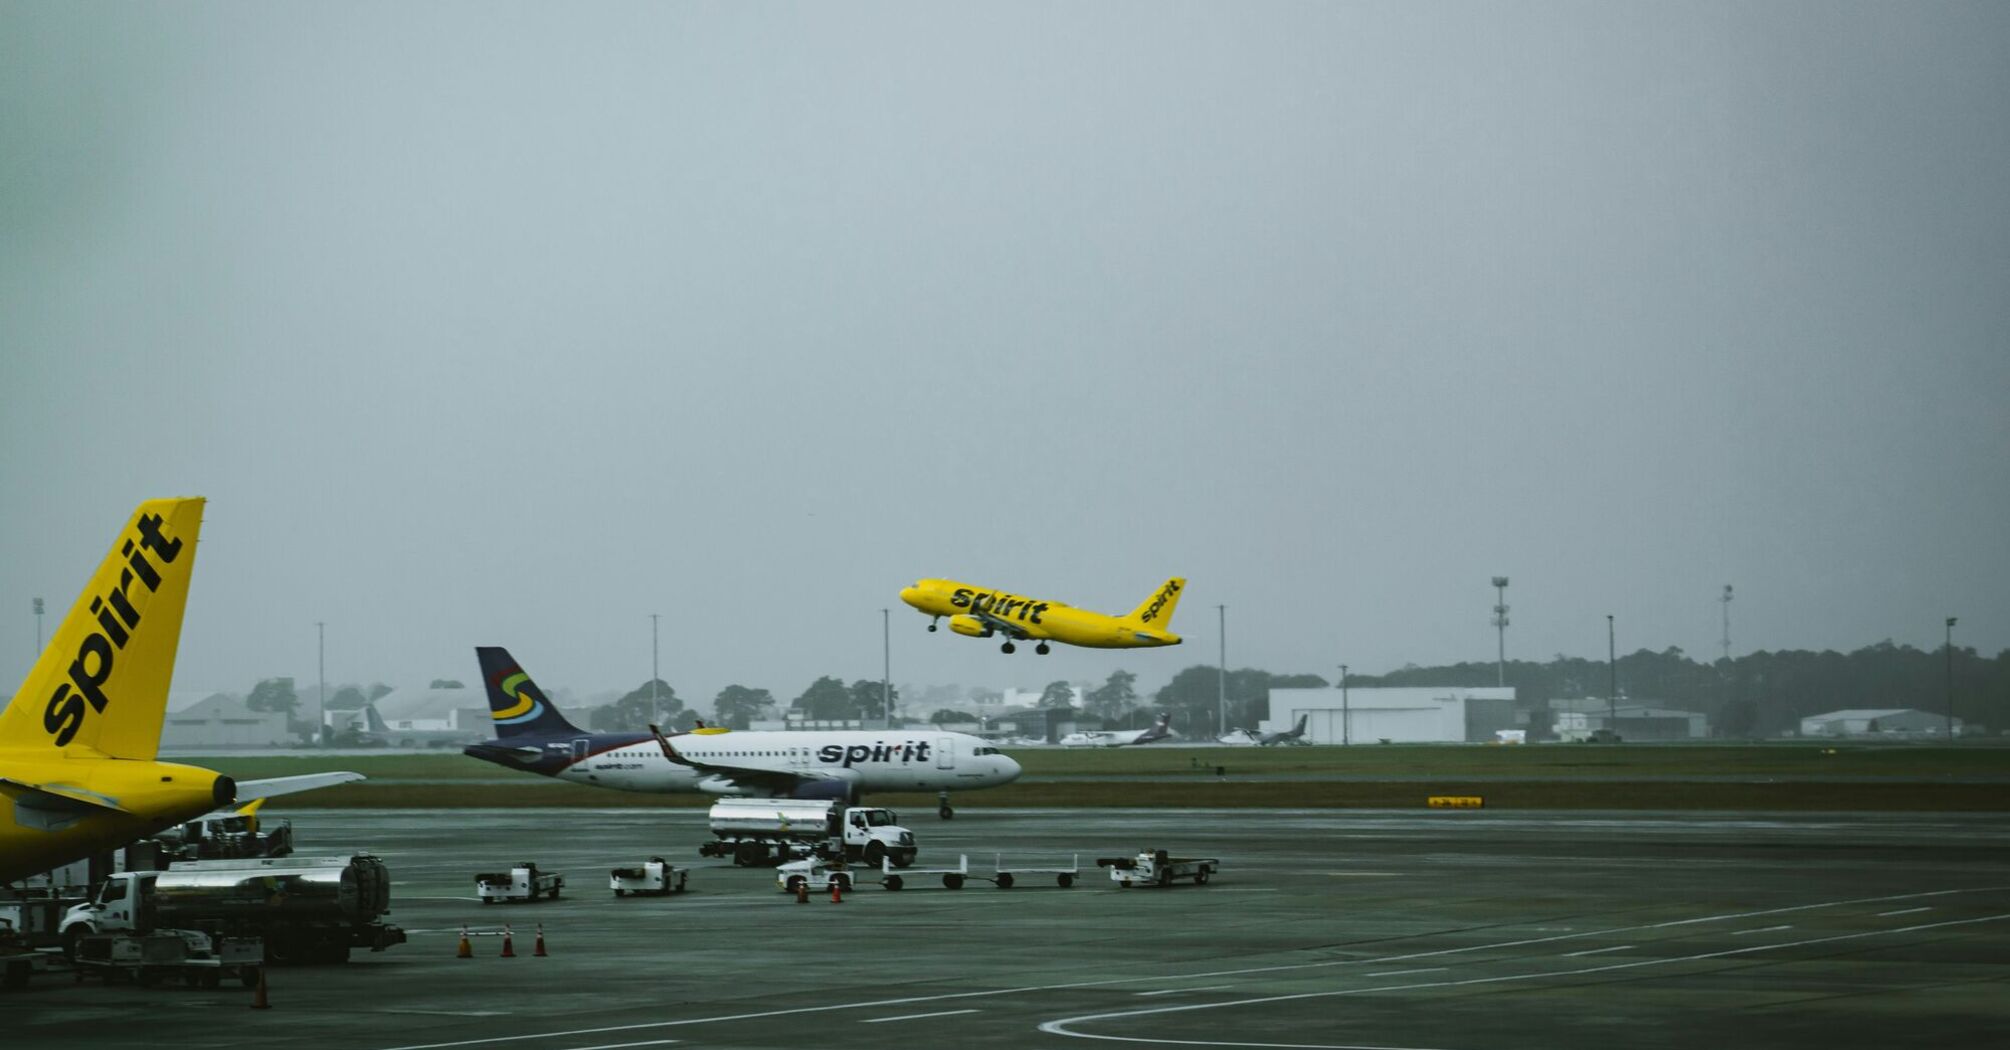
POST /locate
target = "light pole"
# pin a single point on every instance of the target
(886, 669)
(1221, 683)
(1501, 626)
(1950, 678)
(38, 628)
(320, 677)
(654, 674)
(1612, 679)
(1346, 737)
(1726, 599)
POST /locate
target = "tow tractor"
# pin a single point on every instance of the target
(655, 877)
(816, 873)
(521, 883)
(1153, 867)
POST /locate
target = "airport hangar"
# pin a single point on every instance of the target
(1408, 715)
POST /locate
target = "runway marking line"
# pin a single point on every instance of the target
(1324, 964)
(1902, 911)
(1396, 973)
(1060, 1025)
(1761, 929)
(618, 1046)
(1176, 991)
(1593, 951)
(917, 1017)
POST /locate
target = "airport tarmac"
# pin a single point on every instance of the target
(1463, 930)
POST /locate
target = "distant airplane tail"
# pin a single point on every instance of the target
(518, 706)
(373, 720)
(101, 684)
(1157, 611)
(1160, 729)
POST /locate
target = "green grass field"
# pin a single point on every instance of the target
(1796, 776)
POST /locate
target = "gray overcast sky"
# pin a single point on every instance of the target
(497, 323)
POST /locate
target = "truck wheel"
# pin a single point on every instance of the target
(1066, 880)
(893, 882)
(1200, 877)
(842, 882)
(557, 890)
(749, 854)
(875, 852)
(1004, 880)
(953, 880)
(619, 892)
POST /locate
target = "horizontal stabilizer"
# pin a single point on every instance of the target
(271, 786)
(58, 797)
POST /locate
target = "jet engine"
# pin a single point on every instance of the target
(964, 623)
(843, 784)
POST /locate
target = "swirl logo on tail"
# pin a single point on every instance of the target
(526, 709)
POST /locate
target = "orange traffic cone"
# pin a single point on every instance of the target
(802, 891)
(538, 950)
(509, 950)
(837, 891)
(467, 951)
(258, 999)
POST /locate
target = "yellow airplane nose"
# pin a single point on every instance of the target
(911, 595)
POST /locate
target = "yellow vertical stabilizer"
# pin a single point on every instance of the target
(101, 684)
(1158, 609)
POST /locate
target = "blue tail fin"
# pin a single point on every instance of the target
(518, 706)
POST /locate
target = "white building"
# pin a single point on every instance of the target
(1883, 721)
(1404, 715)
(224, 722)
(1576, 719)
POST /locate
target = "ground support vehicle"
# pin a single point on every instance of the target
(1154, 867)
(755, 831)
(305, 910)
(1005, 877)
(952, 878)
(815, 874)
(19, 960)
(521, 883)
(190, 956)
(231, 836)
(655, 877)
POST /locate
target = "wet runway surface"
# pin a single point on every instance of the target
(1418, 929)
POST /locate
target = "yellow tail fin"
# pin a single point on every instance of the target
(102, 682)
(1157, 611)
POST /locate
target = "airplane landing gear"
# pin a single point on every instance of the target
(931, 624)
(942, 808)
(1008, 647)
(1041, 648)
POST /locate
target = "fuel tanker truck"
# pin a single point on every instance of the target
(756, 831)
(311, 909)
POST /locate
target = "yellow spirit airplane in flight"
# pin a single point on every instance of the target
(77, 742)
(981, 612)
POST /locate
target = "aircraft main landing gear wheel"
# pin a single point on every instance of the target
(1041, 648)
(946, 813)
(1008, 647)
(931, 626)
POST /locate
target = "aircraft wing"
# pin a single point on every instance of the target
(768, 780)
(267, 788)
(1000, 624)
(57, 797)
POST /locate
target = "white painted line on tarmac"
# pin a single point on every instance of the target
(917, 1017)
(1760, 929)
(617, 1046)
(1592, 951)
(1176, 991)
(1060, 1026)
(946, 996)
(1367, 874)
(1395, 973)
(1902, 911)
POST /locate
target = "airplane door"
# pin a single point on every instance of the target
(579, 750)
(945, 752)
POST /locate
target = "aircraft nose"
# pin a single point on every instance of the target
(1008, 769)
(910, 595)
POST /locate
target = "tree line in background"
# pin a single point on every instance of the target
(1761, 694)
